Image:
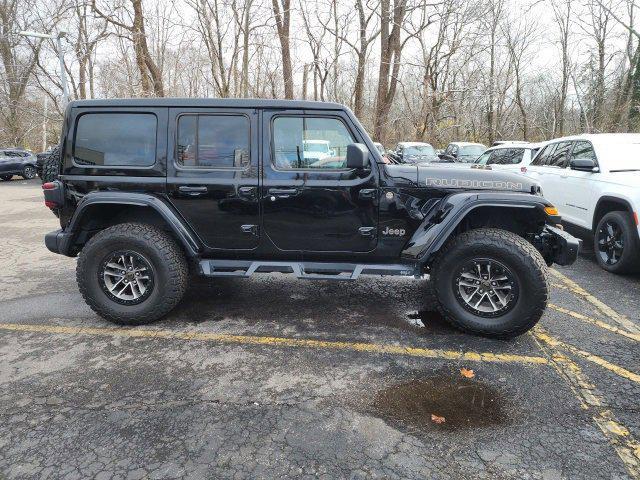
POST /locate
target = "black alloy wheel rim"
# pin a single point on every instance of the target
(485, 287)
(610, 242)
(126, 277)
(29, 172)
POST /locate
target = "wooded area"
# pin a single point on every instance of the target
(432, 70)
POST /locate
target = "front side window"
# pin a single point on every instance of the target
(213, 141)
(583, 151)
(116, 139)
(310, 143)
(484, 158)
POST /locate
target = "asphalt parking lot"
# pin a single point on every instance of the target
(274, 377)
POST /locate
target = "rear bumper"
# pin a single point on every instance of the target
(557, 246)
(58, 242)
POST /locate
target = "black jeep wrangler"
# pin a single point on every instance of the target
(148, 190)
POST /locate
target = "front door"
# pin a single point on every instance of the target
(212, 174)
(311, 201)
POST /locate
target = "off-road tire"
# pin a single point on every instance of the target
(6, 178)
(630, 260)
(168, 263)
(51, 166)
(513, 251)
(29, 172)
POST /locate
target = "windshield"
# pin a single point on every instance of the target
(419, 150)
(472, 150)
(316, 147)
(622, 156)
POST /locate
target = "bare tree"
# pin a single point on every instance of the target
(282, 15)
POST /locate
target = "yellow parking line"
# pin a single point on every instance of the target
(595, 321)
(603, 307)
(623, 372)
(627, 448)
(281, 342)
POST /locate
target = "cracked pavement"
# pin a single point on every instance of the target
(107, 406)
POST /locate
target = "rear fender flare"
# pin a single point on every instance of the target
(441, 222)
(182, 232)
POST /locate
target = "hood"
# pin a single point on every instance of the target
(455, 178)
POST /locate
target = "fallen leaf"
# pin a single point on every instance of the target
(436, 419)
(467, 373)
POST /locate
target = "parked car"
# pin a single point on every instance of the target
(594, 180)
(16, 161)
(508, 156)
(502, 142)
(464, 152)
(414, 153)
(380, 147)
(143, 208)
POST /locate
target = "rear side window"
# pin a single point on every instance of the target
(116, 139)
(506, 156)
(213, 141)
(544, 155)
(559, 156)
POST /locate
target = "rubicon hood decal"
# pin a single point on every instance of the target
(474, 184)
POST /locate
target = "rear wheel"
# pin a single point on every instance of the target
(616, 243)
(29, 172)
(491, 282)
(132, 274)
(6, 178)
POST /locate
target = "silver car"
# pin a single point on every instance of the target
(15, 161)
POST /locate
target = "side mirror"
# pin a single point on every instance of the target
(357, 155)
(583, 165)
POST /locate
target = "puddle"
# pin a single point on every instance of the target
(464, 403)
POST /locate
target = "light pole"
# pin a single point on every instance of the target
(58, 38)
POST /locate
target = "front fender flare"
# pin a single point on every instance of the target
(442, 220)
(182, 232)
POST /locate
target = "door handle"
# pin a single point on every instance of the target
(367, 231)
(367, 193)
(247, 192)
(282, 192)
(192, 190)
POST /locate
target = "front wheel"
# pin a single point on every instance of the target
(491, 282)
(132, 274)
(29, 172)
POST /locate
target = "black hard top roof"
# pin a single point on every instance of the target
(208, 102)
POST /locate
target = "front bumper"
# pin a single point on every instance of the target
(557, 246)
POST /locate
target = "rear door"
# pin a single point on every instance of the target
(212, 174)
(311, 201)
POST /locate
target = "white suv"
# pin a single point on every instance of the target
(514, 157)
(594, 180)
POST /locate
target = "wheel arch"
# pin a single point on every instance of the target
(606, 204)
(101, 210)
(517, 213)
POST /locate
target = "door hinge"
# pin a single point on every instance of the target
(252, 229)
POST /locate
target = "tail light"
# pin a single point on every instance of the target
(53, 197)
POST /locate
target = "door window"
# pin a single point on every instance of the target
(559, 158)
(484, 158)
(584, 151)
(506, 156)
(116, 139)
(310, 143)
(543, 157)
(213, 141)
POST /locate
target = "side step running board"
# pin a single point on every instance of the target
(307, 270)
